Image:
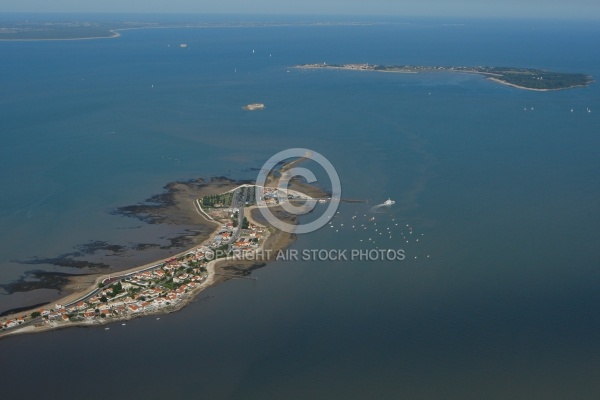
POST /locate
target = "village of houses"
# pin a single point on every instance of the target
(162, 287)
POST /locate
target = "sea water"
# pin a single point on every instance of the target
(496, 299)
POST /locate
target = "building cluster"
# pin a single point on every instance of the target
(249, 238)
(147, 291)
(270, 197)
(358, 66)
(165, 284)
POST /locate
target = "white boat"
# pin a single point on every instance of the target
(389, 202)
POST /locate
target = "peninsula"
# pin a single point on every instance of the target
(239, 243)
(521, 78)
(58, 28)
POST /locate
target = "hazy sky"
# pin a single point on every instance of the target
(515, 8)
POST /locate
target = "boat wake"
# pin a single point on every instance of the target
(383, 206)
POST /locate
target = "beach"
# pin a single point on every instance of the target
(526, 88)
(114, 35)
(494, 74)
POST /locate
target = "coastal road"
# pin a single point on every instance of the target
(238, 201)
(94, 292)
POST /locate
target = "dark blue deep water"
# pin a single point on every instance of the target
(498, 299)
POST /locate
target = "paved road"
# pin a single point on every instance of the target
(238, 201)
(94, 292)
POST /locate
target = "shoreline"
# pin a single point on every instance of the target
(171, 208)
(98, 323)
(484, 71)
(210, 266)
(115, 34)
(274, 241)
(526, 88)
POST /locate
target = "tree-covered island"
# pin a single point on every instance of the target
(522, 78)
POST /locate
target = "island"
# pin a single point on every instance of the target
(521, 78)
(240, 242)
(254, 107)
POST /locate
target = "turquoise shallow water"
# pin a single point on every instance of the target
(504, 202)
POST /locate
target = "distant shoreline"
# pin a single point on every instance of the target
(527, 88)
(115, 34)
(503, 75)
